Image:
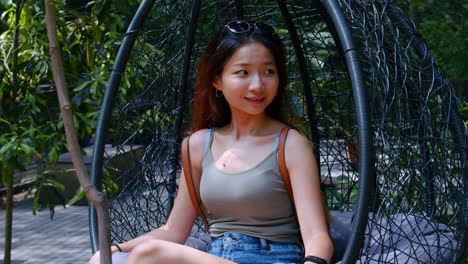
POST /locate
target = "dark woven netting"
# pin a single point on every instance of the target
(420, 144)
(418, 140)
(153, 113)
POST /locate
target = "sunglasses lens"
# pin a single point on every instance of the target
(238, 26)
(241, 26)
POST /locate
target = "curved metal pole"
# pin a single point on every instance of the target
(181, 101)
(366, 159)
(108, 103)
(305, 79)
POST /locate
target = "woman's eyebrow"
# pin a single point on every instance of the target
(246, 63)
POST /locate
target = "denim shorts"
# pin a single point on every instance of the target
(245, 249)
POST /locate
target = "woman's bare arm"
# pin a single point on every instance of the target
(183, 215)
(178, 226)
(305, 181)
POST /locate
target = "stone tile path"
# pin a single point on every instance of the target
(38, 239)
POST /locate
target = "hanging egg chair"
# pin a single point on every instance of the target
(383, 119)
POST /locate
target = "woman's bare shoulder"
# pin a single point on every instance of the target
(298, 146)
(197, 141)
(297, 138)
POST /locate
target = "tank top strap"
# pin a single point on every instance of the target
(208, 140)
(276, 142)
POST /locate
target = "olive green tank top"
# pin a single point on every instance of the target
(254, 202)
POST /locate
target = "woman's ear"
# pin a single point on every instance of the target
(217, 83)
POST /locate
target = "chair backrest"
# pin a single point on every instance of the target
(380, 113)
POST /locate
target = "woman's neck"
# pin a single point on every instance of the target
(252, 125)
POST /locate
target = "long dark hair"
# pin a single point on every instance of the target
(211, 110)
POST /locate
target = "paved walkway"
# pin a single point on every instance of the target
(38, 239)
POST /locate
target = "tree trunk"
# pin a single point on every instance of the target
(8, 177)
(99, 199)
(8, 216)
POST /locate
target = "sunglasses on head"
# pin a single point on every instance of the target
(242, 26)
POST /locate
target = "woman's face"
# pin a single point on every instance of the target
(249, 80)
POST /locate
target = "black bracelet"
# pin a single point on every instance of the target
(314, 259)
(118, 248)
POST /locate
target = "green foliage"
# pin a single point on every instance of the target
(30, 121)
(28, 114)
(48, 189)
(464, 112)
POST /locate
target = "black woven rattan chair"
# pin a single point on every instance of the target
(391, 145)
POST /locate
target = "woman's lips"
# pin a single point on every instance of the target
(256, 100)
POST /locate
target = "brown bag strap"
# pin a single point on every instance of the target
(282, 164)
(186, 166)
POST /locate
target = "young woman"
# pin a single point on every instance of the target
(240, 107)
